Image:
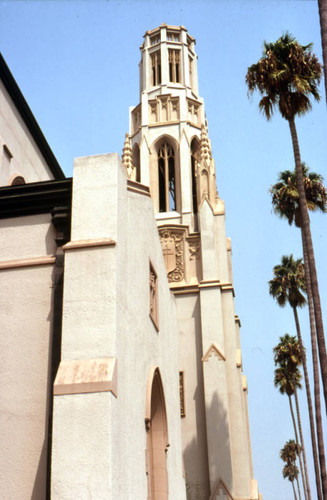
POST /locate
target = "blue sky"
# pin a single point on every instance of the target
(76, 63)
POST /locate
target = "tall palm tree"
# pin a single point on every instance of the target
(289, 453)
(287, 76)
(323, 28)
(288, 355)
(285, 200)
(286, 383)
(291, 472)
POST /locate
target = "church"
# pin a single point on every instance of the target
(121, 366)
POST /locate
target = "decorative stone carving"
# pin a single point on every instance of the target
(173, 251)
(174, 109)
(153, 105)
(153, 285)
(127, 158)
(206, 155)
(164, 108)
(221, 492)
(193, 109)
(194, 249)
(214, 351)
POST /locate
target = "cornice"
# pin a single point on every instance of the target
(35, 198)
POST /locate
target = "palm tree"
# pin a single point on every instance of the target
(289, 453)
(286, 287)
(285, 195)
(323, 28)
(288, 355)
(285, 200)
(291, 472)
(287, 76)
(287, 381)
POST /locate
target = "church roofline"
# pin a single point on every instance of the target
(35, 198)
(29, 119)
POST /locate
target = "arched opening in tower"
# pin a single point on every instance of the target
(195, 149)
(136, 162)
(166, 178)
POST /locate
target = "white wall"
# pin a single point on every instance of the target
(26, 158)
(115, 323)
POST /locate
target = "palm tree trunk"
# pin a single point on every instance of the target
(323, 29)
(311, 258)
(320, 434)
(310, 408)
(295, 497)
(298, 446)
(298, 486)
(302, 442)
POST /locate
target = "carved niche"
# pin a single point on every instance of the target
(172, 243)
(194, 248)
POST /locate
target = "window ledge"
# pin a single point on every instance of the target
(168, 215)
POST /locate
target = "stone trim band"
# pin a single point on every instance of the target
(94, 242)
(28, 262)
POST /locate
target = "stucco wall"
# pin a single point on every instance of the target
(26, 158)
(106, 313)
(195, 451)
(26, 322)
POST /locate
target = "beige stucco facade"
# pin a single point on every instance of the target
(121, 361)
(106, 315)
(170, 131)
(26, 343)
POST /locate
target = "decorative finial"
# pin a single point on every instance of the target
(127, 157)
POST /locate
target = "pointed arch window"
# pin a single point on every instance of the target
(137, 162)
(174, 65)
(194, 160)
(156, 67)
(166, 178)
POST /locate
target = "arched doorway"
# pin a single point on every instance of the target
(157, 437)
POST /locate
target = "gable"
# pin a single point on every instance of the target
(24, 150)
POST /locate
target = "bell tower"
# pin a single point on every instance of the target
(168, 146)
(168, 149)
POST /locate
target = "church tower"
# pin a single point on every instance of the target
(168, 150)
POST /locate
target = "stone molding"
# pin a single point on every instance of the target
(210, 284)
(213, 350)
(85, 376)
(137, 187)
(28, 262)
(220, 491)
(184, 289)
(94, 242)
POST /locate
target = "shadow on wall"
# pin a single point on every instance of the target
(196, 487)
(39, 489)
